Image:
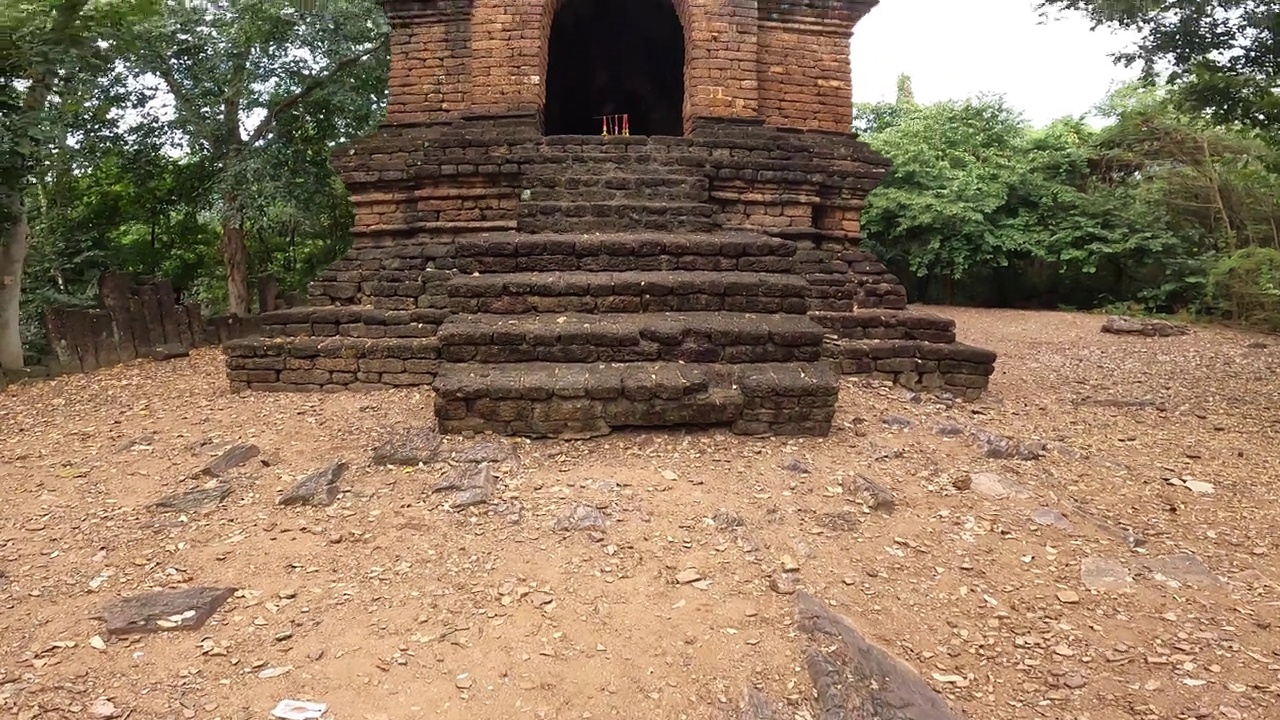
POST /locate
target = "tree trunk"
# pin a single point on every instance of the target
(235, 255)
(13, 254)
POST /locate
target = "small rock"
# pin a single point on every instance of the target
(784, 583)
(139, 441)
(1068, 597)
(474, 485)
(789, 564)
(1199, 487)
(1182, 569)
(318, 488)
(494, 453)
(185, 609)
(996, 487)
(580, 517)
(192, 500)
(871, 494)
(1051, 518)
(726, 519)
(897, 422)
(797, 466)
(273, 672)
(684, 577)
(1104, 574)
(463, 681)
(949, 428)
(169, 351)
(102, 709)
(670, 475)
(409, 447)
(231, 458)
(1074, 682)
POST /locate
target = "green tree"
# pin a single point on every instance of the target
(238, 74)
(1222, 55)
(51, 53)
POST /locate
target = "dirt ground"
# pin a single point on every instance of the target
(392, 604)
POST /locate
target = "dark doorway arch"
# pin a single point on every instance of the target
(614, 57)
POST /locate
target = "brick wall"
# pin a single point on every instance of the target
(804, 76)
(431, 49)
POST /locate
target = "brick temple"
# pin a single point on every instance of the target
(580, 215)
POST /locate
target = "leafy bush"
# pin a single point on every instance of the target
(1245, 286)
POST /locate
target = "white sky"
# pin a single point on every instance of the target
(954, 49)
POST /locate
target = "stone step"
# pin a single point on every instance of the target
(694, 337)
(963, 370)
(672, 222)
(666, 195)
(629, 292)
(352, 321)
(623, 209)
(584, 400)
(882, 324)
(315, 364)
(621, 252)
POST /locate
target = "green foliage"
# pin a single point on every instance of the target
(1222, 56)
(1245, 286)
(980, 207)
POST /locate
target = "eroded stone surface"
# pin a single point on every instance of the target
(1182, 568)
(1052, 518)
(580, 517)
(471, 484)
(185, 609)
(996, 487)
(1105, 574)
(871, 494)
(855, 678)
(190, 500)
(410, 446)
(318, 489)
(230, 459)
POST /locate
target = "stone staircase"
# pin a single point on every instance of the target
(914, 349)
(612, 331)
(603, 187)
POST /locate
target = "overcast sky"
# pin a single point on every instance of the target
(954, 49)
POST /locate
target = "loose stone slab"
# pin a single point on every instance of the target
(191, 500)
(317, 489)
(171, 351)
(231, 458)
(580, 517)
(185, 609)
(1105, 574)
(472, 485)
(1147, 327)
(855, 678)
(1052, 518)
(871, 494)
(996, 487)
(1182, 568)
(411, 446)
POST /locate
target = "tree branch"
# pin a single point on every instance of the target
(314, 84)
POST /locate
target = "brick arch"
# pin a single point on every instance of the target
(551, 7)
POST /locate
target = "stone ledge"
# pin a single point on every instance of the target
(886, 324)
(330, 364)
(963, 370)
(584, 400)
(728, 244)
(630, 329)
(629, 284)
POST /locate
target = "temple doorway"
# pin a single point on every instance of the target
(615, 57)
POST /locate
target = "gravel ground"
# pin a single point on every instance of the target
(1127, 570)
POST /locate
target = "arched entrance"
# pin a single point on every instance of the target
(614, 57)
